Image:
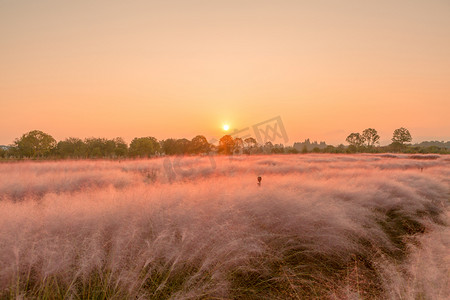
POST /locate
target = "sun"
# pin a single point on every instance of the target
(226, 127)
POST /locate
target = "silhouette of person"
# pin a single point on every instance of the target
(259, 180)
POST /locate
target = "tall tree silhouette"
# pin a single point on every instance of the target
(35, 144)
(355, 139)
(401, 136)
(226, 145)
(370, 136)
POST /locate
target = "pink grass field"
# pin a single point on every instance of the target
(319, 226)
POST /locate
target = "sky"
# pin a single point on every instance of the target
(173, 69)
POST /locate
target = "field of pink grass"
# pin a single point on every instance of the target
(319, 226)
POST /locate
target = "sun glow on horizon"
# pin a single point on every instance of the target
(181, 68)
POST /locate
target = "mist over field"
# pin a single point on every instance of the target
(319, 226)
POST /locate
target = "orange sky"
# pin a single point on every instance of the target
(182, 68)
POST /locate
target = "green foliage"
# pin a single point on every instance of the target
(91, 148)
(401, 136)
(290, 150)
(304, 149)
(144, 147)
(199, 144)
(121, 148)
(183, 146)
(395, 147)
(355, 139)
(351, 149)
(36, 144)
(432, 149)
(371, 137)
(169, 146)
(71, 148)
(316, 150)
(96, 147)
(332, 149)
(277, 149)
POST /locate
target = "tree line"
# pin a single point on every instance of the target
(37, 144)
(366, 141)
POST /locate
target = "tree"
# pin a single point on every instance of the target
(121, 148)
(144, 147)
(304, 149)
(395, 147)
(238, 145)
(169, 146)
(35, 144)
(401, 136)
(12, 151)
(330, 149)
(278, 148)
(351, 149)
(290, 150)
(96, 147)
(355, 139)
(110, 148)
(178, 146)
(226, 145)
(183, 146)
(268, 146)
(370, 136)
(250, 142)
(250, 145)
(199, 144)
(71, 147)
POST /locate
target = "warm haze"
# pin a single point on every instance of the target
(182, 68)
(225, 149)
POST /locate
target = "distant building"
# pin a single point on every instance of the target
(4, 147)
(309, 146)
